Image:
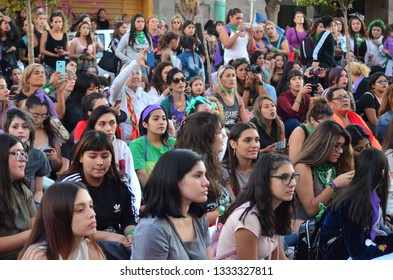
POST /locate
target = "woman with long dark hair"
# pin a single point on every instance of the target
(17, 209)
(254, 222)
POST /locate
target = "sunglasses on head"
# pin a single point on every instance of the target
(177, 80)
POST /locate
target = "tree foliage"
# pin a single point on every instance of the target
(337, 4)
(17, 5)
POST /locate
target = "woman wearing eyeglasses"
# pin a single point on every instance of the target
(368, 104)
(326, 165)
(254, 222)
(20, 124)
(17, 209)
(47, 138)
(339, 101)
(175, 104)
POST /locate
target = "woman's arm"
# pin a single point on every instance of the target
(142, 176)
(38, 188)
(73, 55)
(225, 39)
(121, 47)
(372, 116)
(246, 244)
(242, 110)
(295, 143)
(13, 242)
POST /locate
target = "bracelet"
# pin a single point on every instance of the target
(333, 185)
(297, 101)
(130, 232)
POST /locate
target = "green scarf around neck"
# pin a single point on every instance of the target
(317, 36)
(359, 39)
(231, 26)
(326, 173)
(140, 37)
(226, 91)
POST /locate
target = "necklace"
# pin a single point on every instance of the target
(179, 106)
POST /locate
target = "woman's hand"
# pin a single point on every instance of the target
(344, 179)
(269, 149)
(305, 89)
(11, 49)
(320, 89)
(142, 57)
(51, 155)
(116, 107)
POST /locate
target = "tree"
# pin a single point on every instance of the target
(18, 5)
(188, 9)
(341, 5)
(272, 9)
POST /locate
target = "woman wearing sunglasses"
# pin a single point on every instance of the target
(17, 209)
(339, 100)
(175, 104)
(326, 166)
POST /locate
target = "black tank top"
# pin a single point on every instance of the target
(51, 44)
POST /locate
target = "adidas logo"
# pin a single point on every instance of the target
(117, 208)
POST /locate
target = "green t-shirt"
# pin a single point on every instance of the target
(147, 160)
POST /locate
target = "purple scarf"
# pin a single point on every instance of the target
(51, 106)
(356, 84)
(375, 215)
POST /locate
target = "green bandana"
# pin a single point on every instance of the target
(140, 37)
(359, 39)
(317, 36)
(231, 26)
(326, 173)
(227, 91)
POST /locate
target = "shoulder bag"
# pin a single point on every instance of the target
(109, 61)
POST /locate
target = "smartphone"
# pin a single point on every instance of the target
(49, 150)
(280, 145)
(150, 58)
(61, 67)
(13, 92)
(85, 50)
(59, 47)
(117, 102)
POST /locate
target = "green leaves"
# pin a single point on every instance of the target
(17, 5)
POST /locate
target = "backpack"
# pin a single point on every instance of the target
(309, 232)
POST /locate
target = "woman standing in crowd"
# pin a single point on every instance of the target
(292, 105)
(374, 57)
(258, 35)
(119, 31)
(9, 35)
(276, 44)
(94, 165)
(282, 84)
(202, 133)
(358, 213)
(173, 225)
(277, 70)
(369, 103)
(176, 24)
(240, 156)
(360, 140)
(296, 34)
(17, 207)
(20, 124)
(54, 43)
(102, 22)
(269, 126)
(234, 106)
(82, 47)
(154, 32)
(357, 37)
(134, 41)
(236, 38)
(385, 112)
(310, 42)
(158, 86)
(254, 222)
(69, 238)
(153, 143)
(47, 138)
(319, 112)
(169, 42)
(104, 118)
(339, 101)
(23, 48)
(326, 165)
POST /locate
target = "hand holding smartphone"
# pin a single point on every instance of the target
(150, 59)
(48, 150)
(61, 67)
(281, 145)
(13, 92)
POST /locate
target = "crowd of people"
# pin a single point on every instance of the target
(233, 127)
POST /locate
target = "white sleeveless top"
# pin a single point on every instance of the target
(82, 253)
(238, 49)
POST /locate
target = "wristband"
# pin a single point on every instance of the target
(130, 232)
(275, 50)
(333, 185)
(297, 101)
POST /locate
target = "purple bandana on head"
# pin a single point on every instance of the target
(51, 106)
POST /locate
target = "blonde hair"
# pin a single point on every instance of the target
(219, 105)
(27, 73)
(358, 68)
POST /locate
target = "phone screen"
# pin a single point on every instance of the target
(150, 58)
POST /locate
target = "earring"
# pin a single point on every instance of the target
(234, 152)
